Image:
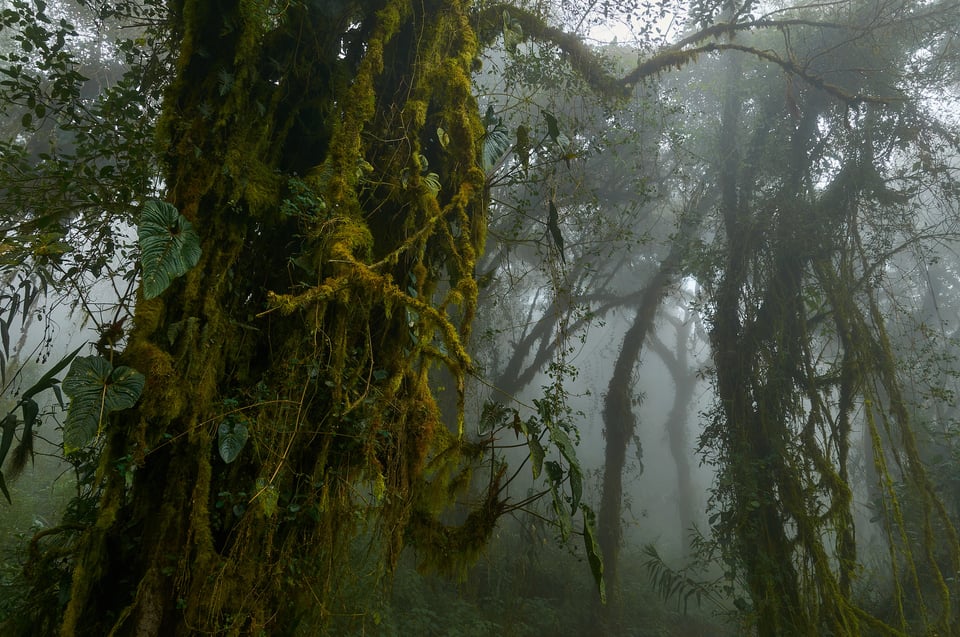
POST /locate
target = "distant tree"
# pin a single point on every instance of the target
(814, 206)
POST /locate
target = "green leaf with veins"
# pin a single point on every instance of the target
(96, 389)
(169, 246)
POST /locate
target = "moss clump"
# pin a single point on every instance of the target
(162, 394)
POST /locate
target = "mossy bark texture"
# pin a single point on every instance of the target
(305, 142)
(782, 430)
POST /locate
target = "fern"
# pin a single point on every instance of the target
(432, 182)
(670, 583)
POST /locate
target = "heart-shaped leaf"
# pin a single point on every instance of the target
(231, 437)
(592, 546)
(96, 389)
(169, 246)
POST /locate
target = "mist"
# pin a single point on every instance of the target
(538, 318)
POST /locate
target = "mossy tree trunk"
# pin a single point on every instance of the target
(677, 362)
(327, 155)
(793, 279)
(619, 420)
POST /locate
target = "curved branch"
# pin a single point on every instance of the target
(663, 61)
(581, 57)
(589, 66)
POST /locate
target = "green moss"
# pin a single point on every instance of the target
(257, 184)
(149, 316)
(451, 550)
(334, 370)
(162, 393)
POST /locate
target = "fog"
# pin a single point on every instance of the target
(711, 378)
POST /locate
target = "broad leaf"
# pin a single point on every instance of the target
(555, 476)
(58, 393)
(553, 129)
(576, 487)
(168, 246)
(536, 455)
(594, 556)
(231, 437)
(563, 443)
(9, 427)
(96, 389)
(496, 144)
(443, 137)
(5, 336)
(30, 412)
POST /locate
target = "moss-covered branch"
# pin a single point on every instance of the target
(585, 61)
(581, 57)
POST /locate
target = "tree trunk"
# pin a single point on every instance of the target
(756, 353)
(618, 417)
(685, 382)
(296, 144)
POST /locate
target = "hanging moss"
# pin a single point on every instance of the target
(782, 427)
(327, 362)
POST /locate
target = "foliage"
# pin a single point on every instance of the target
(563, 475)
(96, 388)
(525, 585)
(231, 140)
(682, 585)
(18, 299)
(30, 409)
(328, 180)
(801, 347)
(169, 246)
(231, 437)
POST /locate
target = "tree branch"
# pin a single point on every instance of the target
(589, 66)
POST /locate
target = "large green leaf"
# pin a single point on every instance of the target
(231, 437)
(594, 556)
(576, 487)
(168, 246)
(565, 446)
(553, 128)
(95, 389)
(496, 144)
(536, 455)
(555, 478)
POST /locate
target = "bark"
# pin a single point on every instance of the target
(774, 473)
(294, 143)
(618, 417)
(619, 420)
(685, 382)
(754, 402)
